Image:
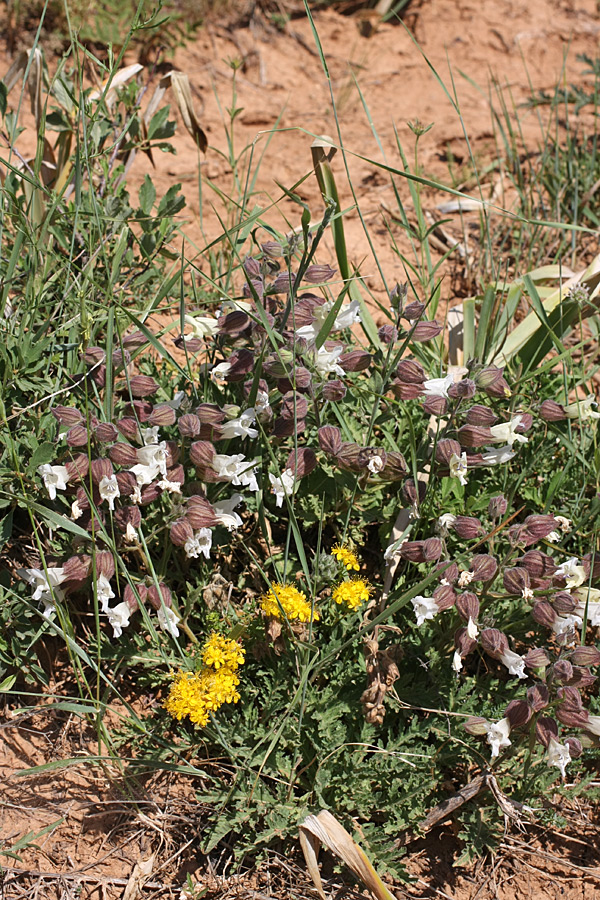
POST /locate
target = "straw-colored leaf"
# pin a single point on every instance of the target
(33, 59)
(183, 97)
(112, 84)
(325, 829)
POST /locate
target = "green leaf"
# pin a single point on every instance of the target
(7, 683)
(45, 453)
(147, 195)
(3, 99)
(6, 528)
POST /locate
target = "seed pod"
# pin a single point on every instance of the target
(488, 377)
(413, 551)
(432, 549)
(181, 532)
(139, 409)
(411, 372)
(446, 449)
(481, 416)
(444, 596)
(241, 362)
(464, 389)
(234, 323)
(105, 564)
(76, 569)
(494, 642)
(348, 456)
(562, 670)
(283, 284)
(545, 730)
(202, 453)
(293, 406)
(476, 725)
(330, 439)
(563, 602)
(67, 415)
(123, 454)
(483, 566)
(272, 249)
(425, 331)
(78, 467)
(435, 406)
(467, 606)
(189, 425)
(135, 341)
(543, 613)
(301, 461)
(413, 311)
(537, 659)
(283, 428)
(210, 414)
(162, 415)
(538, 527)
(355, 361)
(404, 391)
(388, 334)
(497, 507)
(467, 527)
(200, 513)
(319, 274)
(474, 436)
(395, 466)
(77, 436)
(156, 595)
(101, 468)
(106, 432)
(127, 483)
(518, 712)
(128, 515)
(515, 580)
(550, 411)
(140, 386)
(538, 697)
(582, 677)
(129, 428)
(585, 656)
(537, 563)
(254, 287)
(334, 390)
(251, 267)
(94, 355)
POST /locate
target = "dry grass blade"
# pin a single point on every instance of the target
(325, 829)
(116, 81)
(33, 59)
(183, 97)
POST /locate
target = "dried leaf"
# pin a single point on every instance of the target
(183, 97)
(141, 873)
(115, 82)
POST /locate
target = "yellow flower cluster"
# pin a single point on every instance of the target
(346, 556)
(288, 598)
(353, 592)
(196, 694)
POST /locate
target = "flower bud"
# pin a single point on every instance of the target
(582, 677)
(518, 713)
(497, 507)
(414, 493)
(283, 428)
(543, 613)
(444, 596)
(476, 725)
(488, 377)
(413, 551)
(585, 656)
(98, 376)
(105, 564)
(388, 334)
(241, 362)
(127, 483)
(67, 415)
(234, 324)
(135, 341)
(537, 659)
(435, 406)
(538, 527)
(106, 432)
(448, 571)
(404, 391)
(181, 532)
(562, 670)
(130, 597)
(483, 567)
(101, 468)
(515, 580)
(537, 563)
(545, 730)
(395, 466)
(123, 454)
(355, 361)
(176, 474)
(575, 747)
(301, 461)
(129, 428)
(494, 642)
(348, 456)
(77, 436)
(563, 602)
(128, 515)
(255, 286)
(413, 311)
(591, 565)
(76, 569)
(467, 606)
(156, 595)
(319, 274)
(251, 267)
(330, 439)
(78, 467)
(202, 453)
(283, 284)
(550, 411)
(272, 249)
(94, 355)
(293, 406)
(279, 365)
(467, 527)
(538, 697)
(162, 415)
(189, 425)
(425, 331)
(499, 389)
(446, 449)
(463, 642)
(334, 390)
(140, 386)
(481, 416)
(432, 549)
(210, 414)
(150, 493)
(464, 389)
(474, 436)
(411, 372)
(200, 513)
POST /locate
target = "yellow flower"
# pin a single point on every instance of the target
(346, 556)
(353, 592)
(221, 652)
(195, 694)
(288, 598)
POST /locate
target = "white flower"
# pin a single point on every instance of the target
(168, 619)
(136, 495)
(143, 475)
(150, 435)
(236, 469)
(104, 592)
(472, 629)
(425, 608)
(348, 314)
(553, 537)
(131, 534)
(582, 409)
(118, 616)
(201, 542)
(590, 598)
(572, 572)
(218, 372)
(527, 593)
(564, 524)
(375, 465)
(496, 455)
(109, 489)
(153, 455)
(171, 487)
(505, 432)
(225, 514)
(202, 326)
(45, 586)
(438, 387)
(240, 427)
(76, 510)
(566, 625)
(457, 661)
(55, 478)
(497, 735)
(177, 400)
(558, 755)
(326, 361)
(445, 523)
(283, 486)
(465, 578)
(514, 663)
(261, 404)
(392, 551)
(458, 467)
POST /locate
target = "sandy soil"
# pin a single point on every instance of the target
(102, 829)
